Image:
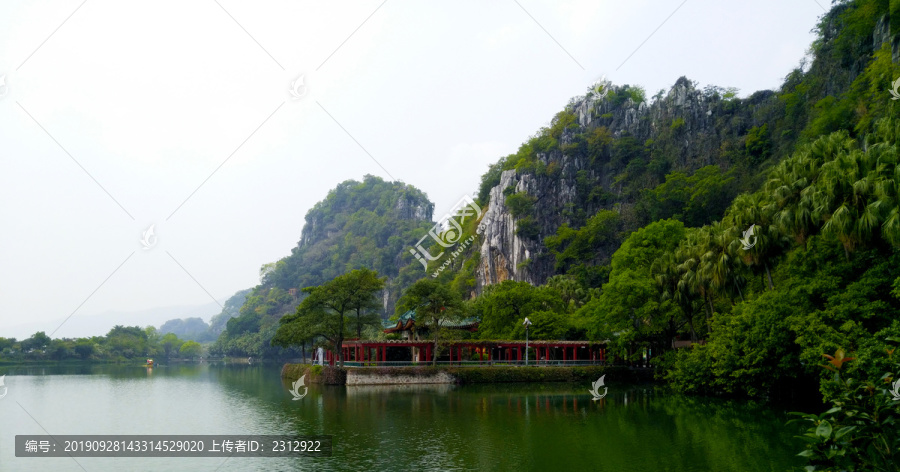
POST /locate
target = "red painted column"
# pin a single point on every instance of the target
(518, 353)
(565, 355)
(575, 353)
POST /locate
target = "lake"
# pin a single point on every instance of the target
(437, 427)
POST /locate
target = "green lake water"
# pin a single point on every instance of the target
(545, 427)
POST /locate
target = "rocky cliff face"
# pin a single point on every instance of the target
(686, 127)
(502, 250)
(696, 143)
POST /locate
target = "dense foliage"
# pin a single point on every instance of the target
(332, 311)
(369, 224)
(859, 431)
(121, 344)
(435, 305)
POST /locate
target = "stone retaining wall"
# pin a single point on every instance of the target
(354, 377)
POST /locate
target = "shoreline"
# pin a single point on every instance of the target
(419, 375)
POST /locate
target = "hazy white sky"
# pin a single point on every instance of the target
(115, 114)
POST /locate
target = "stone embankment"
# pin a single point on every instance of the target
(459, 375)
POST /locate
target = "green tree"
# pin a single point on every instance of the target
(191, 349)
(37, 342)
(171, 344)
(129, 342)
(629, 309)
(59, 349)
(504, 306)
(435, 305)
(364, 284)
(573, 247)
(325, 310)
(85, 348)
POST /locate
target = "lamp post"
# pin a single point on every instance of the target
(527, 323)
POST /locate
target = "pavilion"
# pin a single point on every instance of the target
(412, 350)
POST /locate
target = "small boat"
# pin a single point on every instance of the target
(149, 363)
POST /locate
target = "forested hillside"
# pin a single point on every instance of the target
(614, 161)
(765, 227)
(367, 224)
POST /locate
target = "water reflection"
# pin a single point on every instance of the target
(428, 427)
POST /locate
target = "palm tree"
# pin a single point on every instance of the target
(846, 188)
(886, 205)
(718, 261)
(756, 210)
(665, 273)
(791, 186)
(693, 280)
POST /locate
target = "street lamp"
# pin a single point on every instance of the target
(527, 323)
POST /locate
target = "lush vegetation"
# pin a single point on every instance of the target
(768, 242)
(435, 305)
(859, 431)
(369, 224)
(346, 304)
(121, 344)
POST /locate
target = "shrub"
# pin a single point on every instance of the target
(520, 203)
(859, 432)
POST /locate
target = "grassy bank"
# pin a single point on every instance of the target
(315, 374)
